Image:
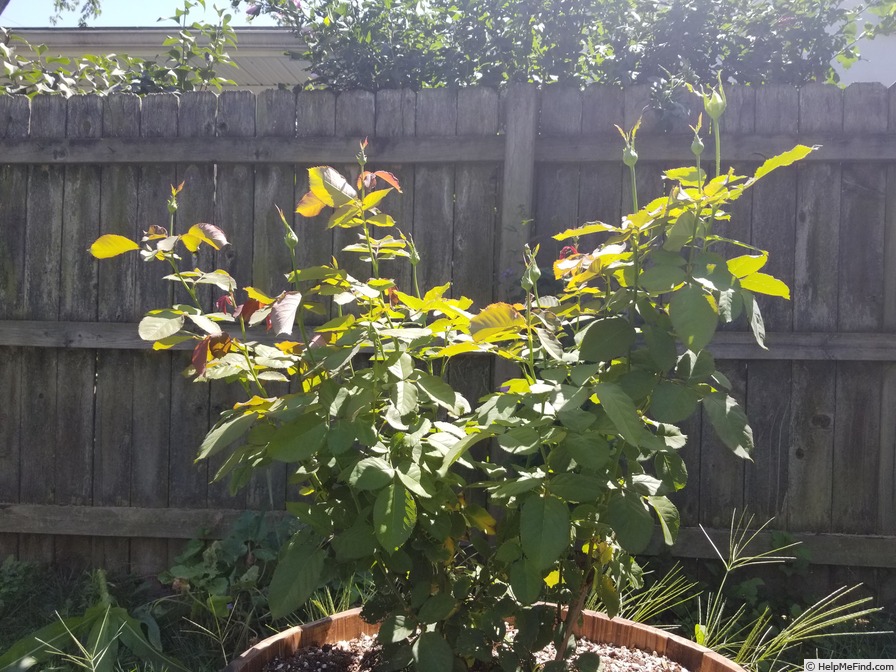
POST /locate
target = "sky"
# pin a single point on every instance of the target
(36, 13)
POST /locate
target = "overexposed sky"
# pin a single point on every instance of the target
(36, 14)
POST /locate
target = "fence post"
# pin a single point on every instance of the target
(521, 130)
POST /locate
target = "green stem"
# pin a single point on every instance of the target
(718, 139)
(183, 282)
(252, 373)
(531, 361)
(374, 264)
(416, 285)
(631, 171)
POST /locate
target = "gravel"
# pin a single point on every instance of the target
(360, 655)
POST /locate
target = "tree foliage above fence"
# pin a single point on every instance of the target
(379, 44)
(375, 44)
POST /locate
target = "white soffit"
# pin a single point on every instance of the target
(265, 56)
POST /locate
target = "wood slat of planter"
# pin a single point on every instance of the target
(594, 626)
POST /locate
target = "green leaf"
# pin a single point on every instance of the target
(544, 530)
(607, 339)
(671, 402)
(588, 449)
(730, 423)
(374, 197)
(526, 581)
(757, 324)
(404, 396)
(631, 521)
(461, 447)
(696, 367)
(298, 573)
(762, 283)
(371, 473)
(225, 433)
(668, 515)
(432, 653)
(102, 642)
(133, 639)
(796, 154)
(394, 516)
(158, 327)
(622, 413)
(440, 392)
(662, 278)
(576, 487)
(341, 437)
(415, 480)
(689, 176)
(111, 245)
(396, 628)
(298, 440)
(672, 470)
(588, 662)
(437, 608)
(693, 317)
(682, 230)
(550, 344)
(355, 543)
(34, 646)
(520, 441)
(660, 347)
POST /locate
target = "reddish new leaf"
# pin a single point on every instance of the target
(389, 178)
(245, 310)
(200, 355)
(222, 303)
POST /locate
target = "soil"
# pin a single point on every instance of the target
(360, 655)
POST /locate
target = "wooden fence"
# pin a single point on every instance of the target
(98, 436)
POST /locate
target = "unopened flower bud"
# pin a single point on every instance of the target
(290, 237)
(697, 146)
(630, 156)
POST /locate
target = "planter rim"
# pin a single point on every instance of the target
(697, 658)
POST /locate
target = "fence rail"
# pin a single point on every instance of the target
(97, 436)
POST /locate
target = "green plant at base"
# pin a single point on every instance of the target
(755, 643)
(380, 445)
(653, 598)
(95, 636)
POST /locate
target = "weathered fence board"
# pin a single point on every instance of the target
(153, 377)
(116, 282)
(14, 118)
(820, 398)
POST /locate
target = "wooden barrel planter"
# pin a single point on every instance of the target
(596, 627)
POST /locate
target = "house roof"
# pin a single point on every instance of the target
(266, 57)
